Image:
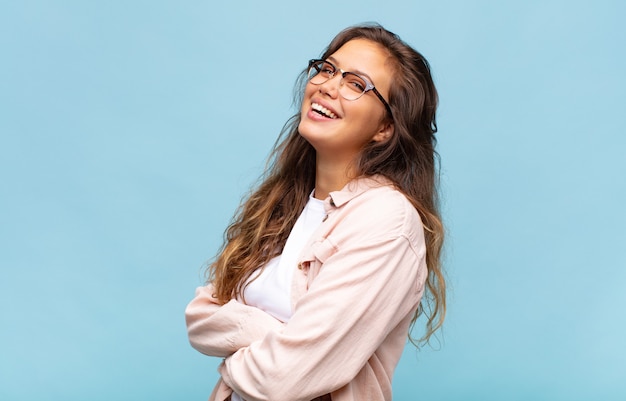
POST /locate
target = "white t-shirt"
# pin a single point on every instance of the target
(271, 290)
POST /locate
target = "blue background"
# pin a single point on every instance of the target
(131, 129)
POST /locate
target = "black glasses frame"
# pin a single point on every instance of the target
(369, 86)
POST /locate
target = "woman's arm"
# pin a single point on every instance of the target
(220, 330)
(360, 295)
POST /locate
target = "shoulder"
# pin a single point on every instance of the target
(379, 211)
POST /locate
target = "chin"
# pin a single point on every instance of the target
(304, 129)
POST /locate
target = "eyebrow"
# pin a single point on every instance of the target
(334, 60)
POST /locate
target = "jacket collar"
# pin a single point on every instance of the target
(355, 188)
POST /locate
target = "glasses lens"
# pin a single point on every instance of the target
(352, 86)
(320, 71)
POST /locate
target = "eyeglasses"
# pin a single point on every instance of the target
(351, 87)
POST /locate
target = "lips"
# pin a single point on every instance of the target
(323, 110)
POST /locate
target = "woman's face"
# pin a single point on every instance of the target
(341, 134)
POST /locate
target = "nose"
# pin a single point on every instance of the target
(331, 87)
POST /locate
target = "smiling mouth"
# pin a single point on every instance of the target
(323, 111)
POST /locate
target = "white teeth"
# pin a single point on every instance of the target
(323, 110)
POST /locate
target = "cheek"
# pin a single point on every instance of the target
(363, 113)
(306, 96)
(310, 89)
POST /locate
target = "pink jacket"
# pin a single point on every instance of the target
(358, 284)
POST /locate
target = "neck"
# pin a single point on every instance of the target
(331, 176)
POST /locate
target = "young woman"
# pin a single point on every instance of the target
(330, 261)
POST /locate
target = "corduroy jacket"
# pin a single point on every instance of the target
(355, 289)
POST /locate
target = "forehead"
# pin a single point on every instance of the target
(365, 57)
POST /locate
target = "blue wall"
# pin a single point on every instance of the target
(130, 130)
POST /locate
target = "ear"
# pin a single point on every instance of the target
(385, 132)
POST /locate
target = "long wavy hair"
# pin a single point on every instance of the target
(408, 158)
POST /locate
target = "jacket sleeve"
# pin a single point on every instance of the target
(360, 295)
(219, 330)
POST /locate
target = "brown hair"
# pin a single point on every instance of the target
(408, 158)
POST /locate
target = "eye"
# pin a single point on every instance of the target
(326, 69)
(355, 82)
